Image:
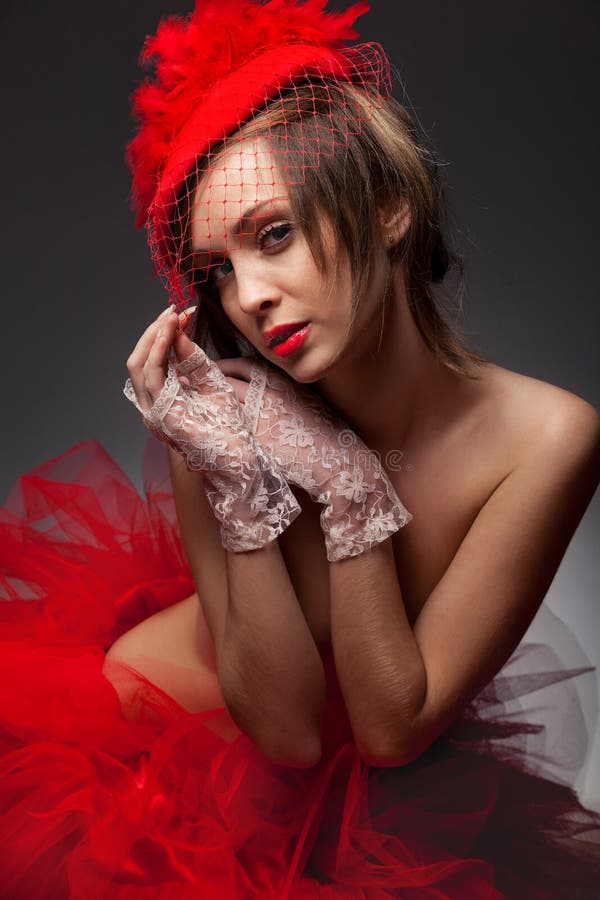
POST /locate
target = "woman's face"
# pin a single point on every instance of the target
(266, 276)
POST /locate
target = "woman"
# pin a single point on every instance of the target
(323, 634)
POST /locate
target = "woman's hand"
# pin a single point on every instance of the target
(315, 449)
(202, 419)
(148, 363)
(165, 391)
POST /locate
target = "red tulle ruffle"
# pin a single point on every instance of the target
(94, 804)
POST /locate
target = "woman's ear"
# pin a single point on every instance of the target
(395, 222)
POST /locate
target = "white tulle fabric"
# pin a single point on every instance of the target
(316, 450)
(205, 423)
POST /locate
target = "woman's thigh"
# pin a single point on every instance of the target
(174, 650)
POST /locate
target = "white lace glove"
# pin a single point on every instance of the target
(316, 450)
(205, 424)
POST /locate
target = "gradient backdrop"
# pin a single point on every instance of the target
(508, 94)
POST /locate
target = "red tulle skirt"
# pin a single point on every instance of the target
(94, 804)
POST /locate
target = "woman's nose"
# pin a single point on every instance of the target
(255, 293)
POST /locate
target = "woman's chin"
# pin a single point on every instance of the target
(308, 367)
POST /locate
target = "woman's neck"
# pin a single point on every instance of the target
(388, 385)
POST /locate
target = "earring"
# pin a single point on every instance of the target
(390, 238)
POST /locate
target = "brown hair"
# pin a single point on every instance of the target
(382, 159)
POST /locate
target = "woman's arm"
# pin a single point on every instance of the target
(269, 668)
(271, 673)
(379, 666)
(403, 687)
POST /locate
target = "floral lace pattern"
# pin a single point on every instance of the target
(248, 494)
(317, 451)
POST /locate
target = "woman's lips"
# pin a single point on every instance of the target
(281, 332)
(293, 342)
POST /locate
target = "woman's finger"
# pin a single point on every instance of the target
(185, 319)
(136, 365)
(155, 367)
(139, 354)
(183, 346)
(138, 359)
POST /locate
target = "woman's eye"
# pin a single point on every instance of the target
(274, 234)
(269, 237)
(217, 273)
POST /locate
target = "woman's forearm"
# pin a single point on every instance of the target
(271, 674)
(378, 662)
(269, 668)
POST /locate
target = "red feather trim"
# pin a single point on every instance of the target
(193, 53)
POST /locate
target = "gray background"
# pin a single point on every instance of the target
(508, 94)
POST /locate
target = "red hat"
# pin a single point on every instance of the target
(214, 69)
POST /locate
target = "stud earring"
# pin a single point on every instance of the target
(390, 238)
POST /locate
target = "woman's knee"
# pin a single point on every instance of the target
(171, 650)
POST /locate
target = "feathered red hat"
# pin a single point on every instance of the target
(214, 68)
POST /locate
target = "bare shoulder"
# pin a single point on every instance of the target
(537, 413)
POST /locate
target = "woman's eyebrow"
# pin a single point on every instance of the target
(240, 226)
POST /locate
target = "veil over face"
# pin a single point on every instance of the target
(217, 71)
(265, 274)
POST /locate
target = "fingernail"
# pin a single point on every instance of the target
(184, 318)
(186, 315)
(168, 310)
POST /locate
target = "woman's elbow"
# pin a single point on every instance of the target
(298, 746)
(300, 750)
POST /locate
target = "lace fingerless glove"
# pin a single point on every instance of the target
(316, 450)
(248, 494)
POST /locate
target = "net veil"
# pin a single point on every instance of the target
(246, 130)
(245, 193)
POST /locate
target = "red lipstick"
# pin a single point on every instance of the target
(293, 342)
(279, 333)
